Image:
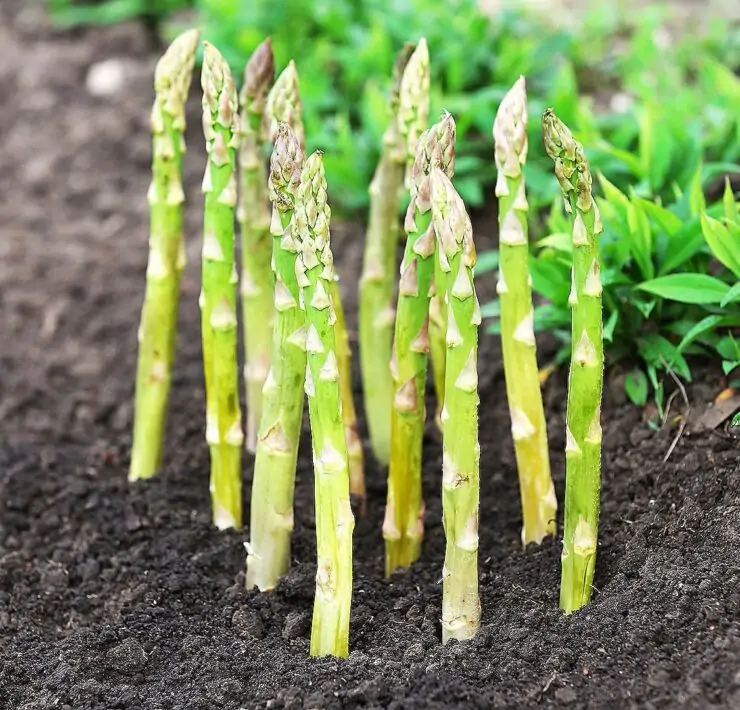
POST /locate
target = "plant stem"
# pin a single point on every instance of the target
(257, 284)
(158, 329)
(376, 311)
(271, 515)
(437, 345)
(461, 449)
(528, 426)
(583, 432)
(218, 297)
(349, 415)
(403, 528)
(334, 520)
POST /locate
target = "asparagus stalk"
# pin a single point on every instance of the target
(257, 284)
(376, 308)
(334, 520)
(218, 296)
(349, 415)
(583, 432)
(284, 104)
(271, 516)
(413, 104)
(437, 344)
(461, 450)
(158, 328)
(403, 528)
(528, 427)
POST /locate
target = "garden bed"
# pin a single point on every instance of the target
(113, 596)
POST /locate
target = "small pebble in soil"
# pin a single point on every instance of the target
(128, 657)
(248, 623)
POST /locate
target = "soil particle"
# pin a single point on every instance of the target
(115, 596)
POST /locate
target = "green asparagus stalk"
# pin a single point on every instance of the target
(271, 515)
(376, 307)
(349, 414)
(413, 104)
(583, 430)
(437, 344)
(284, 104)
(528, 427)
(158, 328)
(403, 528)
(257, 282)
(461, 450)
(218, 297)
(334, 520)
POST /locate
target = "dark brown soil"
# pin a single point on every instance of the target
(124, 597)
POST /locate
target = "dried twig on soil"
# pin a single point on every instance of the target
(158, 329)
(334, 520)
(257, 281)
(403, 527)
(583, 420)
(528, 426)
(218, 295)
(461, 449)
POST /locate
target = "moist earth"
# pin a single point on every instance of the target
(118, 596)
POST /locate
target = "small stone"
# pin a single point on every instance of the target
(248, 624)
(414, 653)
(128, 657)
(296, 625)
(106, 78)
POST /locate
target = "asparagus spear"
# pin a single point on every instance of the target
(403, 528)
(158, 328)
(271, 516)
(413, 104)
(284, 104)
(218, 296)
(376, 312)
(437, 344)
(583, 432)
(334, 520)
(257, 285)
(349, 415)
(461, 450)
(528, 427)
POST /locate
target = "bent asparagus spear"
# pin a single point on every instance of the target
(158, 330)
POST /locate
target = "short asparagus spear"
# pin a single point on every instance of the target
(528, 427)
(257, 283)
(157, 333)
(583, 431)
(218, 295)
(461, 450)
(403, 528)
(271, 514)
(349, 414)
(334, 520)
(376, 307)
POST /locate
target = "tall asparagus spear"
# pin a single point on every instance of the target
(583, 432)
(376, 308)
(437, 345)
(334, 520)
(528, 427)
(257, 283)
(403, 528)
(460, 460)
(158, 329)
(284, 104)
(349, 414)
(271, 516)
(218, 296)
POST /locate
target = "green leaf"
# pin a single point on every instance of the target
(697, 201)
(687, 288)
(487, 261)
(641, 244)
(664, 218)
(703, 326)
(729, 348)
(656, 146)
(682, 246)
(610, 325)
(732, 208)
(636, 387)
(562, 241)
(724, 245)
(732, 295)
(728, 366)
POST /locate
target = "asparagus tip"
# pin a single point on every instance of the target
(285, 167)
(510, 131)
(259, 74)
